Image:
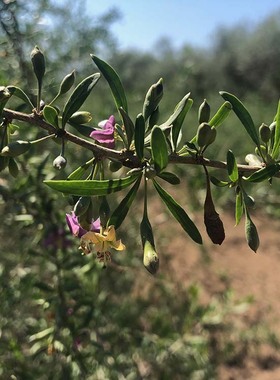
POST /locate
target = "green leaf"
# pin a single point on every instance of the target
(19, 93)
(221, 115)
(169, 177)
(232, 166)
(243, 115)
(114, 82)
(159, 149)
(139, 136)
(179, 214)
(81, 170)
(218, 182)
(128, 126)
(84, 130)
(276, 145)
(121, 211)
(238, 207)
(251, 233)
(264, 173)
(152, 99)
(90, 187)
(50, 115)
(78, 97)
(184, 106)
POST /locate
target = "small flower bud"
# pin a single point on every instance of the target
(80, 117)
(15, 148)
(150, 258)
(67, 83)
(204, 134)
(38, 61)
(265, 133)
(204, 112)
(59, 162)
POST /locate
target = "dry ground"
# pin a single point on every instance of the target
(248, 273)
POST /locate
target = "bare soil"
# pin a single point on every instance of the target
(248, 273)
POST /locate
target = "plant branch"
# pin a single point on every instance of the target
(127, 157)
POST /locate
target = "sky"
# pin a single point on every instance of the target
(194, 22)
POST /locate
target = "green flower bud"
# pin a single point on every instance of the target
(204, 112)
(59, 162)
(67, 83)
(265, 133)
(15, 148)
(82, 206)
(80, 117)
(212, 136)
(38, 61)
(214, 225)
(204, 134)
(150, 258)
(114, 166)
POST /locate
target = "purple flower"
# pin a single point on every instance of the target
(105, 136)
(75, 227)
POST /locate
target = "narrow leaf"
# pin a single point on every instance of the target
(276, 144)
(179, 214)
(178, 122)
(50, 115)
(81, 170)
(113, 80)
(218, 182)
(170, 178)
(243, 115)
(139, 136)
(90, 187)
(232, 166)
(221, 115)
(128, 126)
(19, 93)
(84, 130)
(238, 207)
(264, 173)
(121, 211)
(159, 149)
(79, 96)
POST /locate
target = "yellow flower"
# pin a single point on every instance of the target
(101, 242)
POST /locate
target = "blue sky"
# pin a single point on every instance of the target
(183, 21)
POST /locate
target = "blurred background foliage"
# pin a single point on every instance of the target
(62, 315)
